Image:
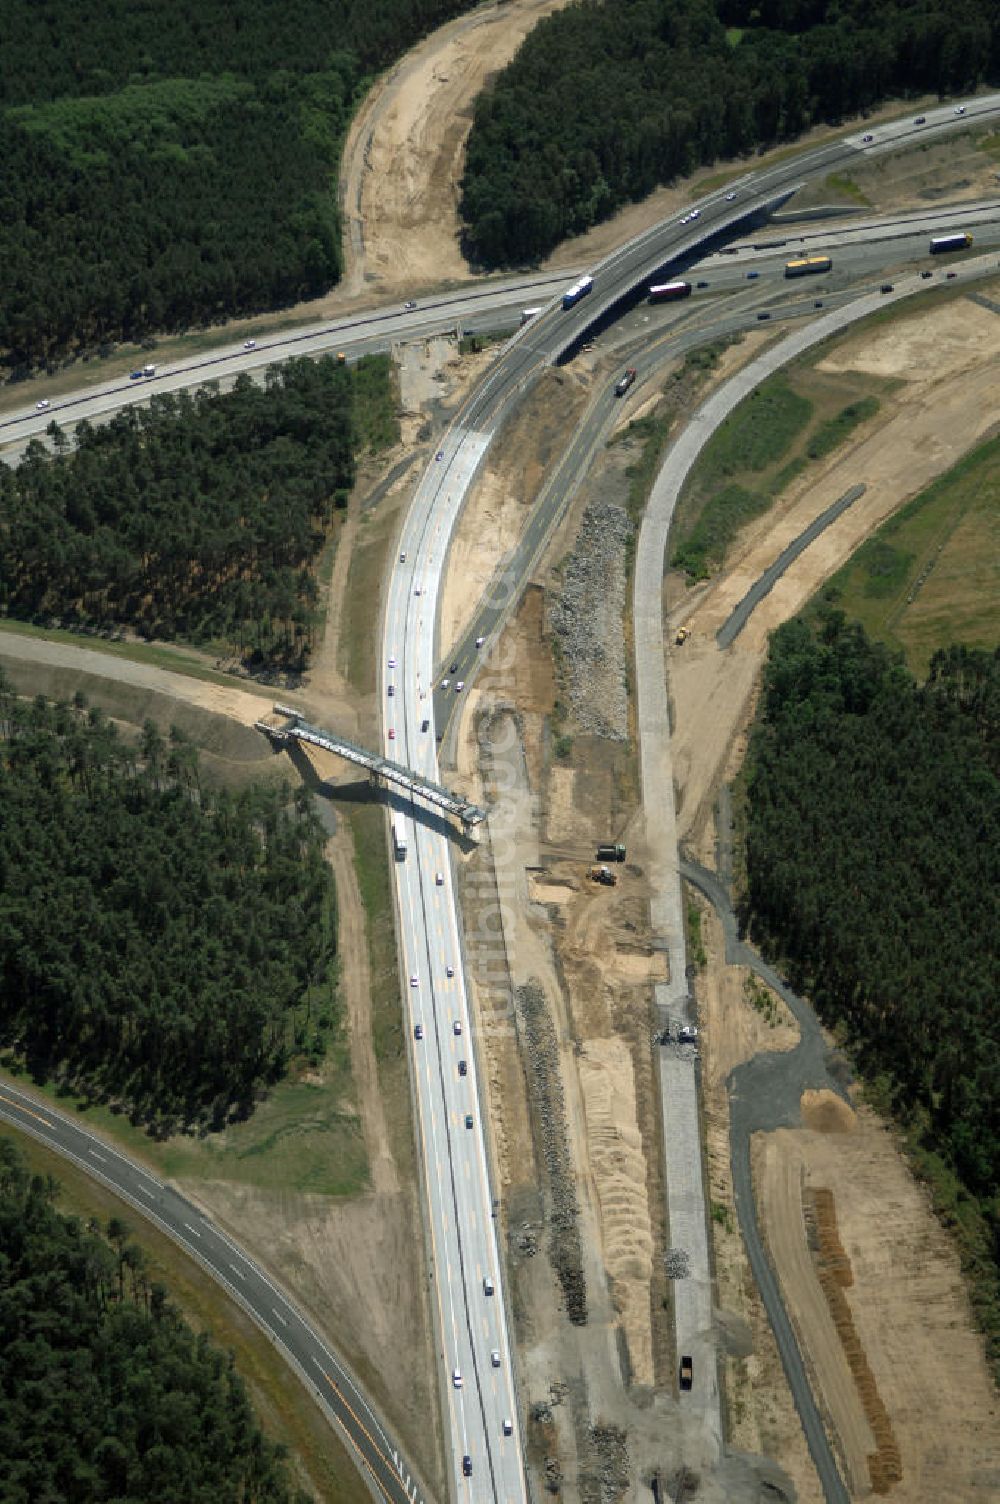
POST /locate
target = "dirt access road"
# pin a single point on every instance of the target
(403, 158)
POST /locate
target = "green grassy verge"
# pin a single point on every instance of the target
(286, 1413)
(930, 576)
(840, 183)
(303, 1136)
(371, 863)
(789, 422)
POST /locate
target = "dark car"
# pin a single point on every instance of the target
(135, 375)
(920, 120)
(623, 384)
(468, 1120)
(763, 315)
(467, 1467)
(751, 276)
(925, 275)
(702, 284)
(818, 303)
(886, 287)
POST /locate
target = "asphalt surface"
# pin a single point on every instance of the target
(765, 1094)
(741, 613)
(376, 1454)
(476, 1369)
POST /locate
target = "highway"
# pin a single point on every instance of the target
(462, 1230)
(377, 1456)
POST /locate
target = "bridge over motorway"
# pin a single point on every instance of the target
(380, 768)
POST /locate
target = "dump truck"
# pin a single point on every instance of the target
(611, 853)
(687, 1372)
(604, 875)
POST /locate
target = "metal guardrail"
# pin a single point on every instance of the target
(296, 729)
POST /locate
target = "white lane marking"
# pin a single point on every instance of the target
(143, 1192)
(102, 1157)
(237, 1270)
(191, 1228)
(276, 1312)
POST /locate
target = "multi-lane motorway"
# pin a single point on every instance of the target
(364, 1434)
(475, 1360)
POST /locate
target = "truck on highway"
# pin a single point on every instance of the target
(805, 266)
(527, 314)
(611, 852)
(399, 836)
(579, 290)
(624, 382)
(941, 243)
(687, 1372)
(664, 292)
(149, 370)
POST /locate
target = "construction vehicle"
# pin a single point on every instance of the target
(604, 875)
(611, 853)
(683, 633)
(687, 1372)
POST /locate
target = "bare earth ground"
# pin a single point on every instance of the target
(907, 1301)
(403, 159)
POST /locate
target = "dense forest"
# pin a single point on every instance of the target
(606, 101)
(200, 516)
(162, 947)
(165, 165)
(105, 1392)
(873, 868)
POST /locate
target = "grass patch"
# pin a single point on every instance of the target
(376, 404)
(696, 944)
(322, 1463)
(791, 421)
(303, 1137)
(371, 863)
(840, 183)
(835, 431)
(990, 145)
(930, 576)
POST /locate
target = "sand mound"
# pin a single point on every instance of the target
(826, 1113)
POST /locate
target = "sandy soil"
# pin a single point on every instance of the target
(907, 1300)
(946, 356)
(504, 492)
(403, 159)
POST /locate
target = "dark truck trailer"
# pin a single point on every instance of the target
(611, 853)
(941, 243)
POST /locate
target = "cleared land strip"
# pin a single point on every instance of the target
(740, 615)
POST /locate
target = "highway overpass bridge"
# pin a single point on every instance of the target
(381, 769)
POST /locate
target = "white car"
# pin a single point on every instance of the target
(402, 557)
(449, 971)
(508, 1428)
(694, 214)
(457, 1026)
(495, 1358)
(445, 683)
(392, 662)
(459, 686)
(480, 641)
(43, 406)
(249, 344)
(439, 879)
(960, 109)
(456, 1378)
(416, 590)
(730, 197)
(409, 306)
(414, 980)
